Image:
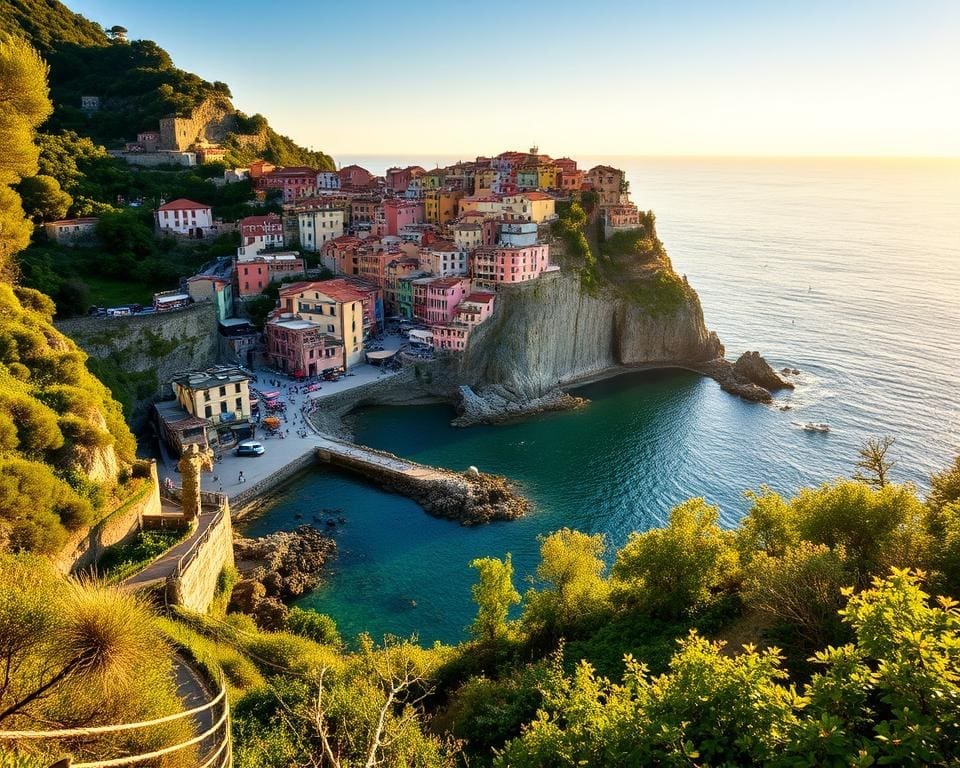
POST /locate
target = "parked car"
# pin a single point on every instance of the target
(249, 448)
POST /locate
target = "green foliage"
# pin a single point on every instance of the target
(573, 591)
(494, 593)
(123, 560)
(81, 653)
(315, 626)
(672, 571)
(43, 200)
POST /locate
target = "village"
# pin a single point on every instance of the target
(371, 273)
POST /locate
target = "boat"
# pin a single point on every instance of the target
(813, 426)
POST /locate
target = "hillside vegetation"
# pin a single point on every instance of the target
(137, 83)
(63, 440)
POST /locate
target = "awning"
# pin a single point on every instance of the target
(425, 337)
(271, 395)
(385, 354)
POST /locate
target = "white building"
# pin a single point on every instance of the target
(443, 259)
(318, 226)
(329, 180)
(185, 217)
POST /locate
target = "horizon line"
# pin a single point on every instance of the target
(691, 156)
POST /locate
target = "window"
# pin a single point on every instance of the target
(208, 411)
(223, 391)
(223, 406)
(239, 405)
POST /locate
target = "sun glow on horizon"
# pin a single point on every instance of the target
(873, 78)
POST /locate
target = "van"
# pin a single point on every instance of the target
(249, 448)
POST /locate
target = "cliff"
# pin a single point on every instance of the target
(551, 332)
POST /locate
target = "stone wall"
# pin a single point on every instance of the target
(137, 356)
(196, 586)
(253, 497)
(88, 546)
(209, 121)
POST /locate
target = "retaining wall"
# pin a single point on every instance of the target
(251, 497)
(196, 584)
(86, 547)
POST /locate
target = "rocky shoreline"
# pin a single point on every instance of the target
(277, 568)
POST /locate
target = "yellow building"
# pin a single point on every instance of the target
(335, 305)
(547, 176)
(219, 395)
(529, 206)
(483, 182)
(440, 205)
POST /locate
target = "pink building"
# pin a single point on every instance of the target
(516, 264)
(450, 336)
(475, 308)
(396, 215)
(255, 274)
(398, 179)
(295, 183)
(341, 255)
(443, 295)
(300, 347)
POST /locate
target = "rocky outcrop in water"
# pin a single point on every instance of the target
(499, 405)
(278, 567)
(751, 367)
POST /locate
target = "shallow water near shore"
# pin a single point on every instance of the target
(849, 272)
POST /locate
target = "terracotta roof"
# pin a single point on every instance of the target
(81, 220)
(181, 204)
(536, 196)
(480, 298)
(447, 282)
(337, 289)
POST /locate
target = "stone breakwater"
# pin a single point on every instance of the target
(470, 498)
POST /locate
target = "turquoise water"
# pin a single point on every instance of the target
(847, 270)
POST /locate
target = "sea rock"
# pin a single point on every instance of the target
(751, 368)
(497, 405)
(278, 567)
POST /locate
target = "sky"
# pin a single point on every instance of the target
(687, 77)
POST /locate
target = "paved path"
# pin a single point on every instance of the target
(377, 459)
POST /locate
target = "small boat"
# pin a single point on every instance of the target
(815, 426)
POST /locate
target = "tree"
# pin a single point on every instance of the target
(673, 570)
(116, 32)
(43, 200)
(945, 486)
(874, 462)
(574, 591)
(494, 593)
(23, 105)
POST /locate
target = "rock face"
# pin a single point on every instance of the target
(751, 367)
(549, 332)
(278, 567)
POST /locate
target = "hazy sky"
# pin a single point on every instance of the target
(878, 77)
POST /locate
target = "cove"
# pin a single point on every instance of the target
(644, 443)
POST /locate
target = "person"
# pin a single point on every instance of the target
(241, 479)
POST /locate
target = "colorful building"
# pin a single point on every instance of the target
(259, 233)
(294, 183)
(395, 214)
(213, 288)
(529, 206)
(318, 226)
(363, 211)
(255, 273)
(622, 216)
(443, 296)
(300, 347)
(335, 305)
(328, 181)
(506, 264)
(441, 205)
(341, 255)
(475, 308)
(354, 177)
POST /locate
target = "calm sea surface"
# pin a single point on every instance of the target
(847, 270)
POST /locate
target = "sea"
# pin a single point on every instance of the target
(845, 269)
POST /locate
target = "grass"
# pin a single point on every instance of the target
(123, 560)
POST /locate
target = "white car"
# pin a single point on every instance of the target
(249, 448)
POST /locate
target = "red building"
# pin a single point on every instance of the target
(267, 228)
(355, 177)
(260, 168)
(295, 183)
(341, 255)
(255, 274)
(398, 179)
